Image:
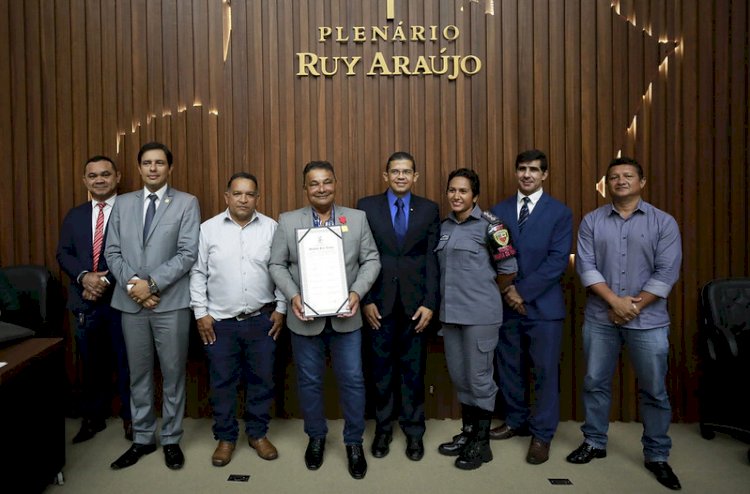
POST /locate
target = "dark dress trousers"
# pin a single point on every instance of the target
(98, 326)
(543, 251)
(408, 279)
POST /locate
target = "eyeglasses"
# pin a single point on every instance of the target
(406, 173)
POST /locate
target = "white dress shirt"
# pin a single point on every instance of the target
(533, 200)
(230, 276)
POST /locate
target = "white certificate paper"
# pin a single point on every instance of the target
(322, 271)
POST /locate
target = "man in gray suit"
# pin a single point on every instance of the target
(341, 335)
(151, 245)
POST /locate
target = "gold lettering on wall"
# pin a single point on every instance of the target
(310, 64)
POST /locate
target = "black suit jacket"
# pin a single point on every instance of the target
(74, 256)
(412, 269)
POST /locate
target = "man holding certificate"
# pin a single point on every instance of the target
(316, 251)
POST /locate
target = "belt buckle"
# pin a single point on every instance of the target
(247, 315)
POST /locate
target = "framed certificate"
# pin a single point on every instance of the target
(322, 271)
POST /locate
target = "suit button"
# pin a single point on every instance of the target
(395, 279)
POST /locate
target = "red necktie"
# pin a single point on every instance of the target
(99, 235)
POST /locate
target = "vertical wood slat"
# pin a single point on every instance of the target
(548, 80)
(20, 227)
(739, 160)
(7, 233)
(49, 148)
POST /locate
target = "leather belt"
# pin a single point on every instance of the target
(270, 307)
(247, 315)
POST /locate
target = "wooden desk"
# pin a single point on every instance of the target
(32, 422)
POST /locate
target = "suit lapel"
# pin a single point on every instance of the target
(384, 211)
(137, 215)
(414, 211)
(88, 237)
(536, 214)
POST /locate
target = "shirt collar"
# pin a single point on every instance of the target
(109, 202)
(159, 193)
(316, 219)
(476, 213)
(639, 208)
(228, 217)
(534, 198)
(392, 198)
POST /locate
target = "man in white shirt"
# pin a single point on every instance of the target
(240, 314)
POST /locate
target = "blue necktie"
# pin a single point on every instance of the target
(150, 212)
(524, 214)
(399, 222)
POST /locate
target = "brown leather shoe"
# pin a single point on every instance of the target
(223, 454)
(538, 451)
(506, 432)
(263, 446)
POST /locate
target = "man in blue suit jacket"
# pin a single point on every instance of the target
(98, 331)
(400, 304)
(542, 232)
(152, 243)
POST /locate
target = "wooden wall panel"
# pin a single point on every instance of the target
(582, 80)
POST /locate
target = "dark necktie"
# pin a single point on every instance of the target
(98, 235)
(524, 214)
(150, 212)
(399, 222)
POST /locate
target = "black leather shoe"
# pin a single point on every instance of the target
(585, 453)
(379, 447)
(89, 428)
(664, 474)
(127, 426)
(173, 456)
(132, 455)
(357, 463)
(414, 448)
(314, 452)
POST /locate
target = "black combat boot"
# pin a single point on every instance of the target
(477, 450)
(454, 447)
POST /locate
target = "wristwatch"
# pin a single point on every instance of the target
(152, 286)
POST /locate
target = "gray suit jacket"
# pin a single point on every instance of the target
(170, 249)
(360, 256)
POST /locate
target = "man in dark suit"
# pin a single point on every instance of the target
(400, 304)
(340, 335)
(80, 252)
(151, 245)
(542, 232)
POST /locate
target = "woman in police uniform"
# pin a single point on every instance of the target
(476, 262)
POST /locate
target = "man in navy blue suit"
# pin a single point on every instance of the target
(99, 331)
(542, 232)
(400, 304)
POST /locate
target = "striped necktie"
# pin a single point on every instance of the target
(524, 214)
(98, 235)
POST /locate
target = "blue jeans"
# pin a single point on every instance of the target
(310, 360)
(648, 350)
(243, 351)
